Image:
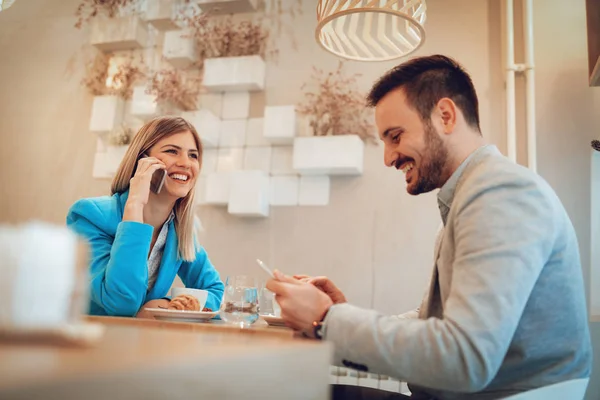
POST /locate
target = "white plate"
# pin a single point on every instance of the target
(273, 320)
(181, 316)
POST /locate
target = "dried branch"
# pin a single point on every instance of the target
(89, 9)
(127, 74)
(101, 79)
(335, 107)
(95, 75)
(121, 136)
(171, 85)
(222, 37)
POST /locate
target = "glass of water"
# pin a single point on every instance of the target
(240, 301)
(268, 304)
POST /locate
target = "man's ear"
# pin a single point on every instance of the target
(446, 110)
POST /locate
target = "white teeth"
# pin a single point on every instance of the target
(407, 167)
(179, 177)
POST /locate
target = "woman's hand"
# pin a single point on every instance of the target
(158, 303)
(184, 302)
(139, 188)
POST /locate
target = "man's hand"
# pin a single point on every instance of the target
(301, 303)
(325, 285)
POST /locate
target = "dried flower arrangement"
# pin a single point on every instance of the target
(105, 78)
(223, 37)
(596, 145)
(96, 71)
(89, 9)
(125, 75)
(172, 85)
(121, 136)
(335, 106)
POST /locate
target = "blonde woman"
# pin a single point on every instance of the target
(139, 240)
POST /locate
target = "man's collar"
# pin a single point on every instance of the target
(446, 194)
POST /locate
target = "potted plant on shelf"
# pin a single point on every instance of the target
(338, 125)
(176, 87)
(110, 80)
(114, 75)
(114, 24)
(596, 145)
(116, 144)
(334, 106)
(231, 53)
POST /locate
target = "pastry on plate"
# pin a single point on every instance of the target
(184, 302)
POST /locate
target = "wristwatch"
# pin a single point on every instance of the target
(318, 327)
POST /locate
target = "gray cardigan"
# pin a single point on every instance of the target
(505, 311)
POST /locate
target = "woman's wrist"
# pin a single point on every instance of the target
(133, 212)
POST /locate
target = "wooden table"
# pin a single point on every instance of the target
(149, 359)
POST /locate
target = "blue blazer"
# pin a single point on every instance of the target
(119, 259)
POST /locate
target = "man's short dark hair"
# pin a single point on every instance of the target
(425, 81)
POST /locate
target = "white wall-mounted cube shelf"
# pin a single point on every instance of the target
(120, 33)
(329, 155)
(232, 133)
(230, 159)
(107, 163)
(284, 190)
(179, 49)
(254, 133)
(207, 124)
(314, 191)
(212, 102)
(228, 6)
(101, 168)
(131, 121)
(236, 105)
(216, 191)
(258, 159)
(249, 194)
(161, 14)
(209, 161)
(101, 143)
(225, 74)
(200, 190)
(145, 106)
(280, 124)
(116, 155)
(107, 113)
(282, 160)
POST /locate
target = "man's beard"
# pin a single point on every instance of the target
(431, 172)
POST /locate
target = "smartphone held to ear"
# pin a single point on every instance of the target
(158, 180)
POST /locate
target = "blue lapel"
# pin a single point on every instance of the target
(169, 265)
(170, 262)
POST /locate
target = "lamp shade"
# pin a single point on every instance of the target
(371, 30)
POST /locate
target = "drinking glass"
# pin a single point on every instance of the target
(268, 304)
(265, 301)
(240, 301)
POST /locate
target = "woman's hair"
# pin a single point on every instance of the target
(144, 139)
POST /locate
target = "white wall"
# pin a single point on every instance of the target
(373, 239)
(568, 118)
